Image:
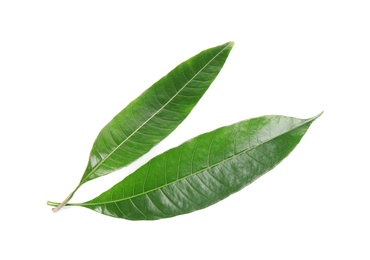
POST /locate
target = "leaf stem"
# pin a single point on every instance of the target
(52, 203)
(64, 203)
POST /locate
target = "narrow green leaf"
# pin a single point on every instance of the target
(203, 170)
(154, 114)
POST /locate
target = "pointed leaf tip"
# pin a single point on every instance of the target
(316, 117)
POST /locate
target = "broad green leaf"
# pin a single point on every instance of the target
(203, 170)
(154, 114)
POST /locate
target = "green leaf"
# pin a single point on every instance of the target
(203, 170)
(153, 115)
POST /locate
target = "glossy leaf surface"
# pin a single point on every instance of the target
(203, 170)
(155, 113)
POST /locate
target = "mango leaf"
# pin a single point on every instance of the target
(203, 170)
(153, 115)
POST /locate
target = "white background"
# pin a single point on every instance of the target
(67, 67)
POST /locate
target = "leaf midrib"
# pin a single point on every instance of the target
(151, 117)
(197, 172)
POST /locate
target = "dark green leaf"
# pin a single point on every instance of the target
(203, 170)
(154, 114)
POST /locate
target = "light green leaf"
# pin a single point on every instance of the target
(203, 170)
(153, 115)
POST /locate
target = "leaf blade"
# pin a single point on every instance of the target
(168, 101)
(203, 170)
